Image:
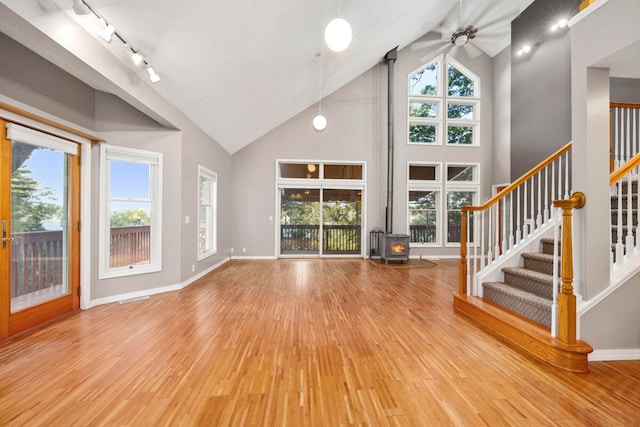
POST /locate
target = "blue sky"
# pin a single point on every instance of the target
(128, 180)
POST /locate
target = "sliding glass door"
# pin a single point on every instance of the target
(317, 221)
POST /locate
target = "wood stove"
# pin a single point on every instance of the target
(395, 247)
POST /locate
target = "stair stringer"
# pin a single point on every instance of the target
(513, 258)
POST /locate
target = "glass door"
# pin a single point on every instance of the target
(341, 221)
(299, 221)
(39, 216)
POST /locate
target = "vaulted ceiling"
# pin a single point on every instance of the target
(240, 69)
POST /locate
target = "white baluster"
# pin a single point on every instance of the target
(498, 250)
(566, 176)
(532, 214)
(525, 225)
(546, 194)
(629, 240)
(619, 245)
(539, 217)
(489, 237)
(511, 242)
(482, 254)
(518, 231)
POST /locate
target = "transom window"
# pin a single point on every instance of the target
(444, 104)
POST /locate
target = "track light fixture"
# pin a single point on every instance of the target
(81, 7)
(107, 33)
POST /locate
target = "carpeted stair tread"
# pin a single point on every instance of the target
(531, 281)
(540, 262)
(525, 303)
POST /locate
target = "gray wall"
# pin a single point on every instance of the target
(26, 77)
(502, 117)
(540, 84)
(33, 81)
(357, 131)
(625, 90)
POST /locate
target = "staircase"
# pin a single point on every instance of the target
(620, 209)
(527, 290)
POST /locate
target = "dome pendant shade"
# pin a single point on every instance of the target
(319, 122)
(337, 35)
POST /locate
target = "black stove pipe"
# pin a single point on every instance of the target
(390, 59)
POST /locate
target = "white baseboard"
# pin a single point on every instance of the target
(154, 291)
(618, 354)
(253, 257)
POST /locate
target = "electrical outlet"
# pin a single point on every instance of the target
(193, 267)
(231, 250)
(244, 250)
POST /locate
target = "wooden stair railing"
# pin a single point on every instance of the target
(624, 125)
(566, 297)
(624, 186)
(528, 210)
(564, 352)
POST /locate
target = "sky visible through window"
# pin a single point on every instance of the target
(128, 180)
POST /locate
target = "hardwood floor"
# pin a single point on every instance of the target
(299, 343)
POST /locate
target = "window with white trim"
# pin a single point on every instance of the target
(130, 240)
(434, 202)
(444, 104)
(207, 212)
(425, 189)
(462, 188)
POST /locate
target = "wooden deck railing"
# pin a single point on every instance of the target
(130, 245)
(36, 261)
(336, 239)
(37, 256)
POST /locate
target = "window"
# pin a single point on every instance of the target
(207, 212)
(130, 211)
(433, 202)
(462, 188)
(444, 110)
(425, 188)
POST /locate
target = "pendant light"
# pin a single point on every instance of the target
(319, 121)
(337, 34)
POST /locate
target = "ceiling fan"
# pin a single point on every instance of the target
(489, 23)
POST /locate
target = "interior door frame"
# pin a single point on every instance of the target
(23, 320)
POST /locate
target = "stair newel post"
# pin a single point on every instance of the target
(566, 297)
(462, 274)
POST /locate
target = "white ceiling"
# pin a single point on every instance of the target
(239, 69)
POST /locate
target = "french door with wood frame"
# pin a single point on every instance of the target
(39, 214)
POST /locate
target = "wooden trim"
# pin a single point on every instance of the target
(624, 169)
(5, 214)
(524, 334)
(28, 115)
(623, 105)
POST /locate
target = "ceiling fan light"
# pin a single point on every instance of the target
(337, 35)
(461, 40)
(319, 122)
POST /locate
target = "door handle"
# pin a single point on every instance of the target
(5, 239)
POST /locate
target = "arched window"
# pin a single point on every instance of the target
(444, 104)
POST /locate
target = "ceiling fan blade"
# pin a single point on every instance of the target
(472, 50)
(427, 43)
(435, 52)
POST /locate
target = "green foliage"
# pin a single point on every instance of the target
(460, 135)
(31, 204)
(416, 84)
(422, 109)
(130, 217)
(422, 133)
(459, 84)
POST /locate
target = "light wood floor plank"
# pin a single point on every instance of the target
(299, 343)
